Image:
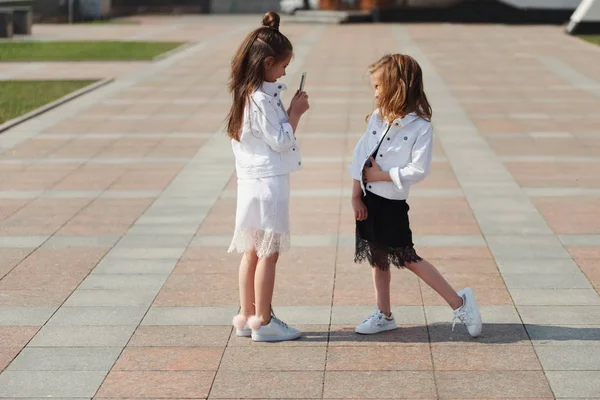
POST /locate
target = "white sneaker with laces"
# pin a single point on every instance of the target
(468, 313)
(275, 331)
(375, 323)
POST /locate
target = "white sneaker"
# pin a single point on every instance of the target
(275, 331)
(468, 313)
(376, 323)
(243, 332)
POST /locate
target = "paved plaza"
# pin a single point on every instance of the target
(116, 211)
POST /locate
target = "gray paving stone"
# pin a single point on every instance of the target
(146, 241)
(134, 267)
(62, 242)
(98, 316)
(555, 297)
(190, 316)
(193, 220)
(71, 194)
(111, 298)
(580, 240)
(50, 383)
(537, 266)
(82, 336)
(561, 192)
(560, 315)
(146, 254)
(25, 316)
(546, 281)
(22, 241)
(124, 282)
(353, 315)
(512, 223)
(565, 335)
(65, 359)
(130, 194)
(580, 384)
(20, 194)
(489, 314)
(569, 358)
(526, 247)
(162, 230)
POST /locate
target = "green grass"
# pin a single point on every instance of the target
(591, 38)
(83, 51)
(20, 97)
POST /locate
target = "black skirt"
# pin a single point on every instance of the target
(385, 237)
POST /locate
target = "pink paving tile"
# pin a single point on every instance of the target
(544, 174)
(570, 215)
(169, 359)
(10, 258)
(180, 336)
(480, 384)
(478, 357)
(7, 354)
(199, 290)
(53, 294)
(360, 358)
(157, 384)
(16, 336)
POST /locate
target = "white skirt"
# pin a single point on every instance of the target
(262, 220)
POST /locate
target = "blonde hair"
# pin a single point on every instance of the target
(402, 87)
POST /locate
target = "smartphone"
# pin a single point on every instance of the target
(302, 80)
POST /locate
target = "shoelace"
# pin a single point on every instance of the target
(376, 318)
(463, 316)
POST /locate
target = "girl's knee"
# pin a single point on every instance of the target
(251, 255)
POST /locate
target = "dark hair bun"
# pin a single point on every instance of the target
(271, 20)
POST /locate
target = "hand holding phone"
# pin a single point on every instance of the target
(302, 81)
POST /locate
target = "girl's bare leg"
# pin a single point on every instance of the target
(246, 282)
(264, 283)
(431, 276)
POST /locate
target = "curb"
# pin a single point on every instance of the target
(71, 96)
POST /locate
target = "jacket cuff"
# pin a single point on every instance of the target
(395, 175)
(287, 128)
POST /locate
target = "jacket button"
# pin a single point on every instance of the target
(299, 163)
(396, 124)
(389, 139)
(405, 137)
(381, 155)
(374, 132)
(369, 186)
(280, 86)
(275, 95)
(293, 149)
(278, 103)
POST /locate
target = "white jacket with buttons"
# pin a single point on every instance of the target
(267, 145)
(405, 153)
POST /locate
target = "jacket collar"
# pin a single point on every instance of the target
(402, 122)
(273, 88)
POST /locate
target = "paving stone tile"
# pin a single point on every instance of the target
(97, 316)
(169, 359)
(65, 359)
(371, 384)
(157, 384)
(580, 384)
(110, 298)
(50, 383)
(280, 359)
(267, 384)
(25, 316)
(181, 336)
(481, 384)
(82, 336)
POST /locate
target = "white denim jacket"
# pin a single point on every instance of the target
(405, 153)
(267, 145)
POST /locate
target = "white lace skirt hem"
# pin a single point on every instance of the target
(263, 242)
